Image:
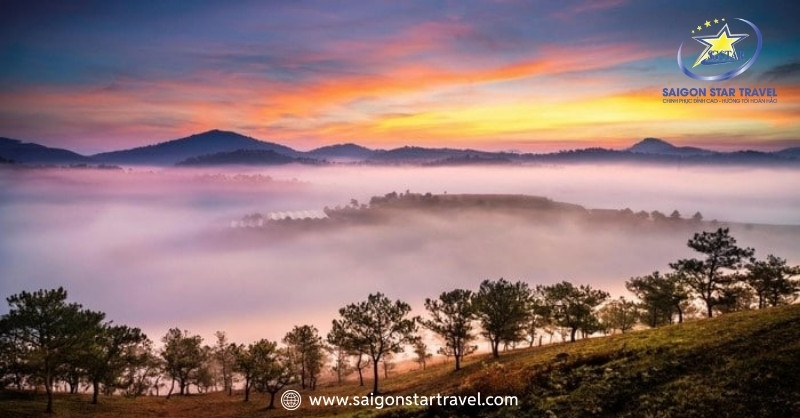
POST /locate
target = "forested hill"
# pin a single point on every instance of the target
(737, 365)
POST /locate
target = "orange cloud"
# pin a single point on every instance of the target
(609, 119)
(308, 100)
(327, 110)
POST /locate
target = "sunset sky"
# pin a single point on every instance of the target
(498, 75)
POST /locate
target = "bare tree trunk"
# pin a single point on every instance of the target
(360, 370)
(48, 387)
(171, 388)
(375, 376)
(303, 371)
(95, 391)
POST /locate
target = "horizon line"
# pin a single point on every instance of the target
(774, 146)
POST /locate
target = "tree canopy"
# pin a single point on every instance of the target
(183, 356)
(661, 296)
(573, 306)
(47, 330)
(772, 281)
(709, 276)
(378, 326)
(503, 310)
(451, 317)
(306, 351)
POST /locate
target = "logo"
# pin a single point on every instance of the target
(290, 400)
(720, 49)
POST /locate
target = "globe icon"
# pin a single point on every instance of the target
(290, 400)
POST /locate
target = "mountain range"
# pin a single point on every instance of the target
(179, 150)
(16, 151)
(218, 147)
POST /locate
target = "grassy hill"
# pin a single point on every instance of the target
(738, 365)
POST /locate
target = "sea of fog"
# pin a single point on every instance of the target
(141, 244)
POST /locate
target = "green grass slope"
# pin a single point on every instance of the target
(738, 365)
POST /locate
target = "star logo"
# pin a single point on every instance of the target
(726, 47)
(719, 48)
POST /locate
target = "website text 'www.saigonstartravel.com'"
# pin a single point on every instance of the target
(384, 401)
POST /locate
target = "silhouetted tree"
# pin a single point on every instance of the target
(661, 296)
(539, 316)
(109, 354)
(205, 377)
(339, 338)
(142, 371)
(675, 215)
(224, 354)
(502, 308)
(47, 329)
(451, 318)
(245, 365)
(709, 276)
(13, 366)
(183, 357)
(341, 364)
(573, 307)
(771, 280)
(697, 217)
(421, 351)
(379, 326)
(305, 348)
(734, 298)
(658, 216)
(388, 364)
(272, 368)
(619, 314)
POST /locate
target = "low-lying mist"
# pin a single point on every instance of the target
(154, 248)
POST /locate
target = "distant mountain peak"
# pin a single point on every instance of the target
(348, 146)
(652, 145)
(177, 150)
(660, 146)
(342, 152)
(219, 132)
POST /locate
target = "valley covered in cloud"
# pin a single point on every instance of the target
(155, 248)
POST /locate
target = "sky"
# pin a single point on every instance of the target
(95, 76)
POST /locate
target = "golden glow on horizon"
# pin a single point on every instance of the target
(604, 117)
(491, 108)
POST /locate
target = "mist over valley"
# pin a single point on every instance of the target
(155, 247)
